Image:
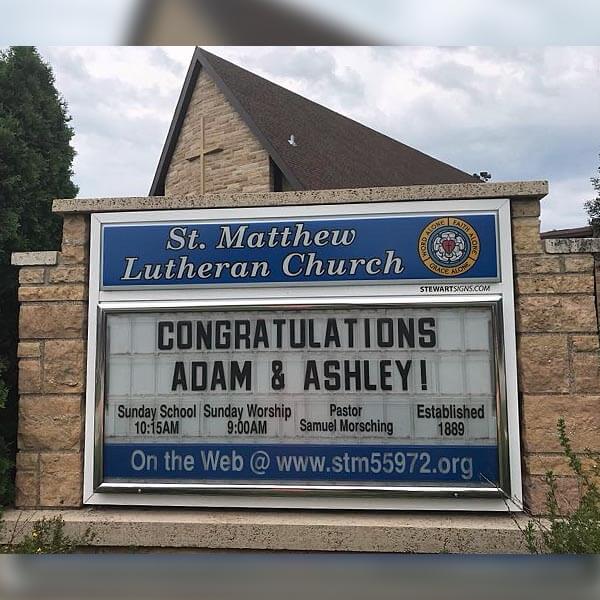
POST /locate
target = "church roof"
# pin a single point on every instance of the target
(330, 152)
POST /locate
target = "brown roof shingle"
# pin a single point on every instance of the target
(574, 232)
(332, 151)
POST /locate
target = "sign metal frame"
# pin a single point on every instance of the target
(493, 303)
(498, 297)
(291, 284)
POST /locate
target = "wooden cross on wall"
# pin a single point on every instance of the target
(200, 152)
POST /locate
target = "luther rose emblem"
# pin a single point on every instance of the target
(449, 246)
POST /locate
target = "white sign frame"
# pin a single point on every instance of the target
(315, 295)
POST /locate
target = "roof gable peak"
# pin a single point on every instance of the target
(329, 151)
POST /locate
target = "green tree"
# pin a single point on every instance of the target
(593, 206)
(36, 160)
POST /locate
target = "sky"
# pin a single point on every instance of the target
(521, 114)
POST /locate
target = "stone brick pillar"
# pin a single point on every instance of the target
(52, 335)
(558, 352)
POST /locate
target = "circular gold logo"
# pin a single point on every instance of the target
(449, 246)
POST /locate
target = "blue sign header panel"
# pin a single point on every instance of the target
(358, 249)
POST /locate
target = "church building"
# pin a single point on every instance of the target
(234, 131)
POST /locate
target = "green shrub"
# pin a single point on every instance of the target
(6, 479)
(579, 531)
(48, 537)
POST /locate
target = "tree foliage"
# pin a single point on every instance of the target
(36, 160)
(593, 206)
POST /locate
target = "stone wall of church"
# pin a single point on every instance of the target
(558, 352)
(53, 292)
(557, 338)
(241, 166)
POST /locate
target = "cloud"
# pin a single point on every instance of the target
(313, 72)
(121, 101)
(530, 113)
(161, 58)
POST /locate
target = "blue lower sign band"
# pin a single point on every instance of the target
(260, 463)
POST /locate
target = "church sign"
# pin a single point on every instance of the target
(340, 250)
(326, 356)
